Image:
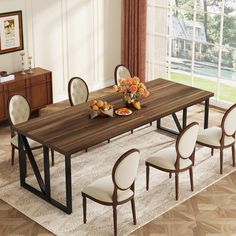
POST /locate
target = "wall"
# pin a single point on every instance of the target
(71, 38)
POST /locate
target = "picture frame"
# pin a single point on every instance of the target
(11, 32)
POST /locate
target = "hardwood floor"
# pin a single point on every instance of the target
(211, 212)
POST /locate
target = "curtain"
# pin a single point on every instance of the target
(134, 36)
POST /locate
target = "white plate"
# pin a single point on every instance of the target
(129, 112)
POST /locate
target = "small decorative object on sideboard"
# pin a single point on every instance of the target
(4, 76)
(30, 71)
(22, 54)
(131, 89)
(101, 108)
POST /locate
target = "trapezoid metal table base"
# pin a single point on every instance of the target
(44, 185)
(184, 120)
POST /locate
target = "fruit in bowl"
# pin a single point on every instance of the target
(101, 108)
(97, 105)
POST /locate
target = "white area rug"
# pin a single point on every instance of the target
(98, 162)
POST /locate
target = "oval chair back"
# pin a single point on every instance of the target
(125, 169)
(229, 121)
(186, 141)
(121, 71)
(18, 109)
(78, 91)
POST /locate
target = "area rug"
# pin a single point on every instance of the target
(98, 162)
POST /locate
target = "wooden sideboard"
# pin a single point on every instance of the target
(36, 87)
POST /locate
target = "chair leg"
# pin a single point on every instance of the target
(177, 186)
(150, 123)
(115, 219)
(233, 154)
(147, 177)
(212, 151)
(86, 150)
(133, 211)
(221, 161)
(132, 131)
(52, 156)
(108, 141)
(12, 155)
(170, 175)
(191, 178)
(84, 209)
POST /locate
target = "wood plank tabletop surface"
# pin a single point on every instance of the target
(71, 130)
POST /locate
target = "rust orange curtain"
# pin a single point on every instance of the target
(134, 36)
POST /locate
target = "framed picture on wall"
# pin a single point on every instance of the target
(11, 32)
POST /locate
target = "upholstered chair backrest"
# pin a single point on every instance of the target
(125, 169)
(78, 91)
(229, 121)
(18, 109)
(186, 141)
(121, 72)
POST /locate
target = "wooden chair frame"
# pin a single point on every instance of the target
(177, 169)
(114, 203)
(222, 144)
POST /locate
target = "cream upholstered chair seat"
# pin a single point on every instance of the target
(102, 190)
(212, 136)
(32, 143)
(166, 159)
(121, 72)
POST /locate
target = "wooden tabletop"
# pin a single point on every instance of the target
(71, 130)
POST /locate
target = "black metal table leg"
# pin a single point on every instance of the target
(184, 121)
(22, 161)
(206, 114)
(68, 184)
(47, 173)
(45, 187)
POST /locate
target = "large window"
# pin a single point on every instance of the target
(194, 42)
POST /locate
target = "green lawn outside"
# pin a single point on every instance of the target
(227, 92)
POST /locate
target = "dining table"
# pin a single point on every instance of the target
(71, 130)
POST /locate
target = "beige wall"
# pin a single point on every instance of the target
(71, 38)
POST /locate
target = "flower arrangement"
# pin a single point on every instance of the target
(132, 89)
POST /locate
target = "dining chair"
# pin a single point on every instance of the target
(221, 137)
(78, 91)
(176, 159)
(121, 71)
(18, 112)
(117, 188)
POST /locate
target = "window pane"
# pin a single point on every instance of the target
(208, 28)
(228, 75)
(229, 31)
(229, 7)
(206, 60)
(205, 83)
(183, 78)
(182, 4)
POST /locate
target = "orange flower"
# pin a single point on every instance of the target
(129, 81)
(136, 80)
(133, 88)
(141, 91)
(122, 81)
(146, 93)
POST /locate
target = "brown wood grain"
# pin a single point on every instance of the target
(36, 87)
(71, 130)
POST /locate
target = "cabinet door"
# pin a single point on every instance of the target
(38, 92)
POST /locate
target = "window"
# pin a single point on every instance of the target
(194, 42)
